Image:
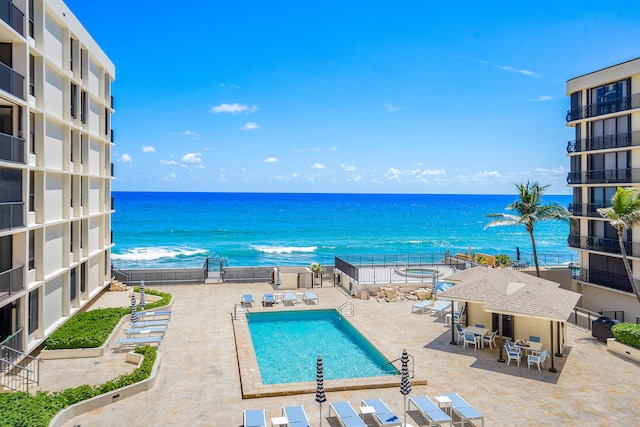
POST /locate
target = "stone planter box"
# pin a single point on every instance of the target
(622, 349)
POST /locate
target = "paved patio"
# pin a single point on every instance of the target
(199, 383)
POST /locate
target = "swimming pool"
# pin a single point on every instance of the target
(287, 344)
(417, 272)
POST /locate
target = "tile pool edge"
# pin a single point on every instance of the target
(251, 381)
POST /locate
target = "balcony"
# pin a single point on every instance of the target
(586, 209)
(607, 107)
(607, 142)
(607, 176)
(13, 16)
(619, 282)
(602, 244)
(11, 282)
(11, 82)
(11, 148)
(11, 215)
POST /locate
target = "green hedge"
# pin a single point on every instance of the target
(25, 410)
(91, 329)
(627, 333)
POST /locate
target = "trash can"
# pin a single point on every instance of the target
(601, 328)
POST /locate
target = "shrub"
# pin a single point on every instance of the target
(627, 333)
(89, 329)
(25, 410)
(162, 302)
(503, 260)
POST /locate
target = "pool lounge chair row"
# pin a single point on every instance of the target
(295, 416)
(147, 331)
(269, 300)
(435, 415)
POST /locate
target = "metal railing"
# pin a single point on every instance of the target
(583, 317)
(11, 148)
(160, 276)
(19, 376)
(605, 176)
(618, 140)
(246, 274)
(239, 312)
(13, 16)
(14, 340)
(388, 367)
(11, 81)
(11, 215)
(613, 314)
(347, 308)
(618, 282)
(602, 244)
(607, 107)
(11, 282)
(587, 209)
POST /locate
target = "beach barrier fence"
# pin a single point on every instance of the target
(162, 276)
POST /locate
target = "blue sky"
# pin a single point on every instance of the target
(349, 96)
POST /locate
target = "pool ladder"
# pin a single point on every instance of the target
(347, 309)
(239, 312)
(389, 367)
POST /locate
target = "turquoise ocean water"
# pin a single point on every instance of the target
(171, 230)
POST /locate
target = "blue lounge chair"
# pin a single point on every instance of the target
(383, 414)
(310, 297)
(430, 411)
(247, 300)
(347, 416)
(440, 308)
(254, 418)
(149, 324)
(289, 299)
(131, 332)
(296, 417)
(155, 315)
(422, 306)
(465, 411)
(135, 342)
(268, 300)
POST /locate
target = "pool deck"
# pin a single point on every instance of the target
(199, 381)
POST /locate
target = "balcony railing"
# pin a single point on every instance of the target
(619, 282)
(606, 107)
(11, 282)
(11, 148)
(13, 16)
(10, 81)
(619, 140)
(586, 209)
(602, 244)
(607, 176)
(11, 215)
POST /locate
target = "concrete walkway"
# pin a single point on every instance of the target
(199, 383)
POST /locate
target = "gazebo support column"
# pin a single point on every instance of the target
(559, 352)
(553, 366)
(453, 327)
(500, 358)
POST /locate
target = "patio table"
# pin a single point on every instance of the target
(477, 331)
(530, 346)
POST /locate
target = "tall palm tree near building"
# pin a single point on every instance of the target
(623, 213)
(530, 210)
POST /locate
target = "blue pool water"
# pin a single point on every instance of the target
(287, 345)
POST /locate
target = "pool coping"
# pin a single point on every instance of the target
(251, 381)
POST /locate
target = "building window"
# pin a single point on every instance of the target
(74, 100)
(32, 191)
(73, 284)
(83, 106)
(31, 15)
(72, 56)
(32, 133)
(83, 53)
(83, 277)
(32, 75)
(74, 136)
(33, 311)
(72, 235)
(32, 249)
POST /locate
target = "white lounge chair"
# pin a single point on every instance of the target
(254, 418)
(422, 306)
(268, 300)
(430, 411)
(135, 342)
(440, 308)
(155, 315)
(151, 323)
(247, 300)
(382, 414)
(289, 299)
(310, 297)
(463, 410)
(347, 416)
(132, 332)
(296, 417)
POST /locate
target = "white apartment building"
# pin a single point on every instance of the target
(605, 112)
(55, 169)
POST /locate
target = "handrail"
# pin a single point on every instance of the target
(239, 308)
(347, 307)
(19, 370)
(396, 371)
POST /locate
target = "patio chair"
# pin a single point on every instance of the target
(422, 306)
(289, 299)
(247, 300)
(254, 418)
(512, 354)
(347, 416)
(459, 333)
(491, 340)
(538, 360)
(268, 300)
(470, 338)
(310, 297)
(464, 410)
(382, 414)
(533, 338)
(479, 325)
(430, 411)
(512, 347)
(296, 417)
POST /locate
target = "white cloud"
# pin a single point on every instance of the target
(348, 168)
(391, 108)
(192, 158)
(148, 149)
(518, 70)
(333, 149)
(414, 175)
(233, 108)
(125, 158)
(167, 162)
(318, 166)
(542, 98)
(250, 126)
(271, 160)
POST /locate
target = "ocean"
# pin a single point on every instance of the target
(174, 230)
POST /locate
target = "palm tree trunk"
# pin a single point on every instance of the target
(634, 286)
(535, 252)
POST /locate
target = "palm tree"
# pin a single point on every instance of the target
(530, 209)
(623, 213)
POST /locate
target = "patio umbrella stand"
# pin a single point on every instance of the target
(320, 396)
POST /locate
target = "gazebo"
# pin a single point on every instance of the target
(514, 303)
